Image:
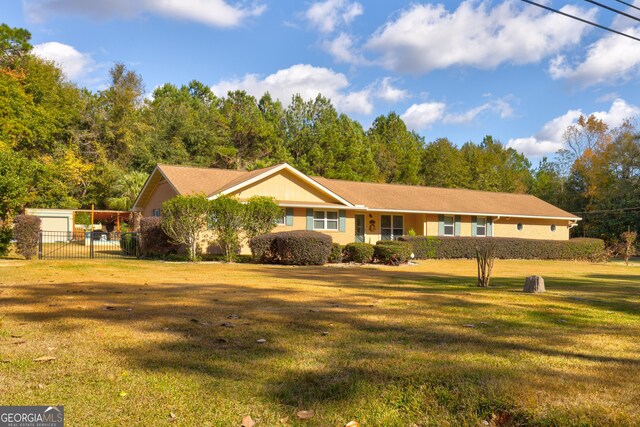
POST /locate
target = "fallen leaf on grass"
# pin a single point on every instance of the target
(19, 342)
(172, 416)
(352, 424)
(323, 333)
(109, 307)
(261, 341)
(284, 420)
(233, 316)
(228, 325)
(123, 394)
(305, 415)
(5, 361)
(247, 421)
(44, 359)
(17, 336)
(469, 325)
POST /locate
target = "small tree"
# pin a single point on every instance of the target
(26, 231)
(5, 237)
(184, 219)
(228, 219)
(261, 216)
(485, 256)
(627, 246)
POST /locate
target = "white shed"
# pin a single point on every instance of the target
(59, 220)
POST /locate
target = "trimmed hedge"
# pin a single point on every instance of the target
(335, 256)
(361, 253)
(431, 247)
(154, 242)
(26, 231)
(292, 248)
(392, 252)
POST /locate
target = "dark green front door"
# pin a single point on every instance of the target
(359, 228)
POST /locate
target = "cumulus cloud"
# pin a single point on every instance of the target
(422, 116)
(74, 64)
(548, 140)
(217, 13)
(426, 36)
(610, 60)
(328, 15)
(306, 80)
(342, 49)
(390, 93)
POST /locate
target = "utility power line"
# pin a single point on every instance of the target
(619, 12)
(577, 18)
(637, 208)
(628, 4)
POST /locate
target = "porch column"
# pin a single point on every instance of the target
(424, 224)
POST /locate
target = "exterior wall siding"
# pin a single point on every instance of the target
(285, 186)
(532, 228)
(161, 194)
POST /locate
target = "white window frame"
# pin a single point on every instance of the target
(325, 220)
(483, 226)
(445, 225)
(282, 219)
(392, 228)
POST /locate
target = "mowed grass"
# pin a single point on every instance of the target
(386, 346)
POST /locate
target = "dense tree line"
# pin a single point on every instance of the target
(64, 146)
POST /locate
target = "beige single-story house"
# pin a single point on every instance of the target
(351, 211)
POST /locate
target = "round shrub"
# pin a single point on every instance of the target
(335, 256)
(361, 253)
(303, 247)
(392, 252)
(154, 242)
(26, 231)
(264, 249)
(292, 248)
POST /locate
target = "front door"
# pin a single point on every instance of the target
(359, 228)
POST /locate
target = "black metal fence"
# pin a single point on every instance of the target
(89, 244)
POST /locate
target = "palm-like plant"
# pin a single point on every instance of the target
(125, 190)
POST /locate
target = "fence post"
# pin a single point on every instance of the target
(40, 244)
(91, 244)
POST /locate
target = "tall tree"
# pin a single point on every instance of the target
(444, 165)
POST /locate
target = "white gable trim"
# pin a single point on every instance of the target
(146, 184)
(277, 169)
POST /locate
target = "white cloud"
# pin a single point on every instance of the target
(390, 93)
(549, 139)
(328, 15)
(217, 13)
(341, 48)
(426, 36)
(305, 80)
(610, 60)
(74, 64)
(500, 106)
(422, 116)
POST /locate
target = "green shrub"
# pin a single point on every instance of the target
(392, 252)
(129, 244)
(506, 248)
(292, 248)
(154, 242)
(6, 234)
(26, 231)
(361, 253)
(335, 256)
(264, 249)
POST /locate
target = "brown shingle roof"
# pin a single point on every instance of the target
(209, 181)
(445, 200)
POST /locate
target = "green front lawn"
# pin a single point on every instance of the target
(138, 341)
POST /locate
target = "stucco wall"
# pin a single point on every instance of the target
(161, 193)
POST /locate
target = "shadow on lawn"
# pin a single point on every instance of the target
(368, 331)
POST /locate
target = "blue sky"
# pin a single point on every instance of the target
(459, 70)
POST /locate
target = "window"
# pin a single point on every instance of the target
(325, 220)
(282, 219)
(449, 228)
(553, 227)
(520, 226)
(156, 212)
(391, 226)
(481, 226)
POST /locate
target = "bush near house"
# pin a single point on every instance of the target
(154, 242)
(129, 244)
(361, 253)
(26, 231)
(431, 247)
(5, 237)
(392, 252)
(336, 254)
(292, 248)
